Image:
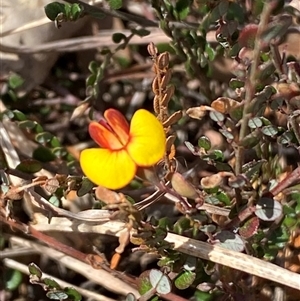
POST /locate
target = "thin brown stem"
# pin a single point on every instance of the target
(251, 84)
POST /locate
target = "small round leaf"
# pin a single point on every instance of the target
(229, 240)
(185, 280)
(268, 209)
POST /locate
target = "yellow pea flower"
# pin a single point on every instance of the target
(124, 147)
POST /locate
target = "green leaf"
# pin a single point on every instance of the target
(55, 142)
(75, 12)
(73, 294)
(184, 280)
(53, 9)
(203, 296)
(143, 283)
(59, 152)
(86, 186)
(142, 32)
(43, 154)
(286, 138)
(35, 270)
(236, 83)
(29, 166)
(204, 143)
(182, 8)
(27, 124)
(18, 115)
(115, 4)
(118, 37)
(13, 279)
(276, 30)
(210, 52)
(236, 12)
(43, 138)
(15, 81)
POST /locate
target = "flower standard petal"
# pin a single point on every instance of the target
(103, 136)
(147, 139)
(111, 169)
(119, 125)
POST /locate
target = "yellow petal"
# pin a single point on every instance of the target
(147, 139)
(111, 169)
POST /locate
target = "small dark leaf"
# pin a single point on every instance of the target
(86, 186)
(268, 209)
(43, 154)
(276, 30)
(249, 228)
(286, 138)
(118, 37)
(44, 137)
(27, 124)
(52, 10)
(190, 264)
(29, 166)
(251, 140)
(182, 224)
(142, 32)
(229, 240)
(236, 83)
(182, 8)
(237, 182)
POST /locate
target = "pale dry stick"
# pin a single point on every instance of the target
(235, 260)
(82, 43)
(13, 264)
(98, 276)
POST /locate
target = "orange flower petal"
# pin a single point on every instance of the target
(147, 139)
(103, 136)
(119, 125)
(111, 169)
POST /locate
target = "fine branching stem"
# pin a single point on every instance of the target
(251, 84)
